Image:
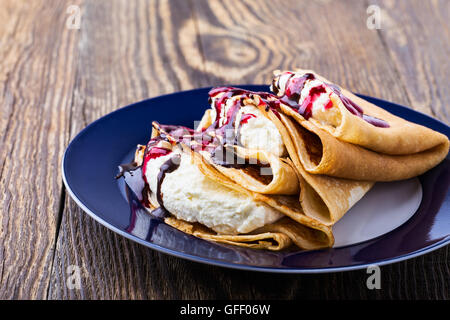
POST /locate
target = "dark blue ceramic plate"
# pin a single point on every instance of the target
(90, 164)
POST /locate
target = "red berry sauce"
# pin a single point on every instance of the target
(294, 87)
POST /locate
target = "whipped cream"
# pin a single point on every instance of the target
(260, 133)
(322, 110)
(282, 81)
(191, 196)
(320, 100)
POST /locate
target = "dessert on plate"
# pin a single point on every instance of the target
(277, 170)
(192, 196)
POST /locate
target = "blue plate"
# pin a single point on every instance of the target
(92, 158)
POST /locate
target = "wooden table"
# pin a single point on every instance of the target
(55, 78)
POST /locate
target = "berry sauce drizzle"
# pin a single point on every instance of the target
(294, 86)
(153, 151)
(228, 132)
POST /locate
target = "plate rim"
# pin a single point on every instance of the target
(439, 244)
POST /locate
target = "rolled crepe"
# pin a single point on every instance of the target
(324, 148)
(294, 228)
(357, 121)
(323, 198)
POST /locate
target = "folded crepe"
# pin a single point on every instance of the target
(219, 212)
(242, 144)
(323, 198)
(341, 135)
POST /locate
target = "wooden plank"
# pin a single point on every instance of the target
(198, 43)
(36, 84)
(416, 38)
(295, 34)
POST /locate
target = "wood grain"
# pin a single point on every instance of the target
(54, 81)
(418, 55)
(37, 81)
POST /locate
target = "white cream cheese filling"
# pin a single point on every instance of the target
(257, 132)
(261, 133)
(191, 196)
(282, 81)
(328, 116)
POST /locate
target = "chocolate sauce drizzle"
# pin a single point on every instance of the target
(294, 87)
(167, 167)
(127, 167)
(266, 99)
(228, 133)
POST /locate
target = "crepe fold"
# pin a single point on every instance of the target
(356, 149)
(321, 197)
(294, 228)
(261, 171)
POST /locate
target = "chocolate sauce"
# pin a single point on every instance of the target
(292, 91)
(375, 121)
(160, 213)
(294, 87)
(356, 109)
(274, 86)
(230, 135)
(130, 168)
(177, 131)
(153, 152)
(145, 195)
(226, 157)
(223, 156)
(349, 104)
(127, 167)
(169, 166)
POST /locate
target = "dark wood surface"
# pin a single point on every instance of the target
(55, 80)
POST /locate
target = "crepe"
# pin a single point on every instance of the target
(354, 148)
(263, 173)
(323, 198)
(294, 228)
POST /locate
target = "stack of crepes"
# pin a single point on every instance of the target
(274, 170)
